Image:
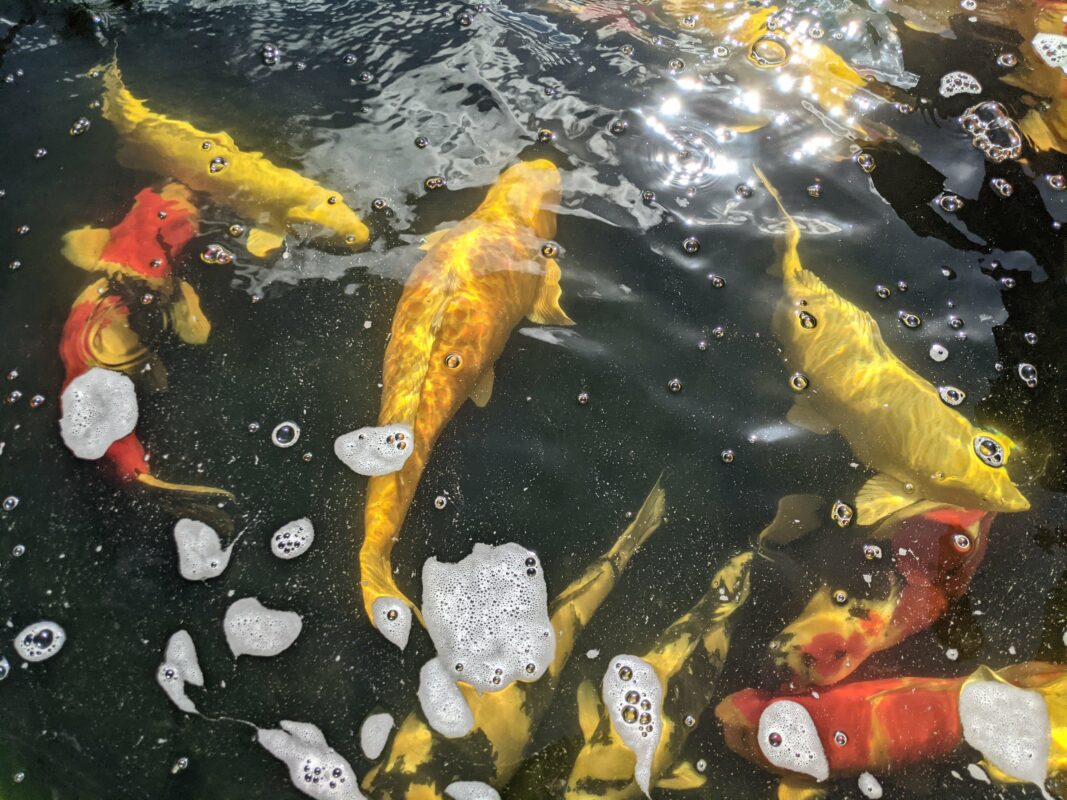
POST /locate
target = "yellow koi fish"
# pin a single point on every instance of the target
(420, 763)
(477, 281)
(893, 419)
(274, 198)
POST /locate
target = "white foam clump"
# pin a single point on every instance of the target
(393, 618)
(954, 83)
(98, 408)
(180, 666)
(1052, 47)
(315, 768)
(200, 553)
(488, 616)
(374, 733)
(293, 538)
(442, 702)
(798, 747)
(375, 451)
(633, 696)
(40, 641)
(471, 790)
(1009, 726)
(869, 786)
(255, 630)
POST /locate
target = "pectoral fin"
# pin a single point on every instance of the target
(546, 309)
(682, 777)
(588, 709)
(804, 416)
(262, 243)
(879, 497)
(483, 390)
(187, 318)
(798, 515)
(796, 788)
(83, 247)
(430, 239)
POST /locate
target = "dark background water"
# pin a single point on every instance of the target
(534, 466)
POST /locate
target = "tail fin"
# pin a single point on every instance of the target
(151, 481)
(790, 261)
(647, 520)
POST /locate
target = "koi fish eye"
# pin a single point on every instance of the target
(840, 597)
(840, 738)
(989, 450)
(962, 542)
(951, 396)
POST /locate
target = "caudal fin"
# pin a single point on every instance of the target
(647, 520)
(789, 259)
(152, 482)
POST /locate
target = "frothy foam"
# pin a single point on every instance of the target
(633, 696)
(293, 538)
(471, 790)
(180, 666)
(200, 553)
(40, 641)
(99, 407)
(375, 451)
(789, 740)
(315, 768)
(374, 733)
(442, 702)
(255, 630)
(393, 619)
(1009, 726)
(488, 616)
(870, 786)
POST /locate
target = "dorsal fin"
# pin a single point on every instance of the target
(589, 709)
(798, 515)
(881, 496)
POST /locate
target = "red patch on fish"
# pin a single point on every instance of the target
(143, 238)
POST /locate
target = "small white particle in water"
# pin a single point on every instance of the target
(471, 790)
(591, 654)
(952, 654)
(374, 734)
(442, 702)
(977, 773)
(869, 786)
(98, 408)
(304, 750)
(367, 324)
(253, 629)
(200, 553)
(938, 352)
(868, 577)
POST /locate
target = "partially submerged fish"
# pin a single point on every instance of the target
(419, 762)
(935, 554)
(459, 306)
(893, 419)
(274, 198)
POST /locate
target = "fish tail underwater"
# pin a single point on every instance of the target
(556, 399)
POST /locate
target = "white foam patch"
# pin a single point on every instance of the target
(958, 82)
(393, 618)
(255, 630)
(376, 451)
(180, 666)
(374, 733)
(488, 616)
(471, 790)
(789, 740)
(869, 786)
(200, 553)
(1009, 726)
(293, 538)
(40, 641)
(98, 408)
(315, 768)
(1052, 47)
(442, 702)
(633, 696)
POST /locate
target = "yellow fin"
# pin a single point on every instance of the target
(797, 788)
(431, 239)
(187, 318)
(682, 777)
(798, 515)
(879, 497)
(262, 243)
(483, 390)
(804, 416)
(83, 247)
(588, 709)
(186, 488)
(546, 309)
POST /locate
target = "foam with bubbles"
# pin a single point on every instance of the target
(471, 790)
(255, 630)
(789, 740)
(488, 616)
(180, 666)
(1009, 726)
(292, 539)
(374, 734)
(442, 702)
(375, 451)
(315, 768)
(633, 695)
(98, 408)
(869, 786)
(200, 553)
(393, 619)
(40, 641)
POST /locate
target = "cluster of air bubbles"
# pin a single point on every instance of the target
(285, 434)
(270, 54)
(216, 253)
(958, 82)
(99, 407)
(633, 695)
(909, 320)
(950, 202)
(1056, 181)
(790, 741)
(842, 514)
(253, 629)
(40, 153)
(293, 538)
(434, 182)
(349, 59)
(872, 552)
(22, 230)
(218, 164)
(315, 768)
(993, 131)
(1009, 726)
(1052, 48)
(989, 450)
(1002, 187)
(866, 162)
(40, 641)
(1027, 374)
(14, 265)
(201, 555)
(80, 126)
(375, 451)
(938, 352)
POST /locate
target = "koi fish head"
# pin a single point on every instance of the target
(942, 548)
(528, 193)
(986, 482)
(331, 213)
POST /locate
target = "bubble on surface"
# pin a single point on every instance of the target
(293, 539)
(98, 408)
(869, 786)
(958, 82)
(393, 618)
(989, 450)
(1002, 187)
(471, 790)
(285, 434)
(842, 513)
(40, 641)
(5, 667)
(1009, 726)
(798, 748)
(200, 552)
(951, 396)
(489, 612)
(442, 702)
(315, 768)
(1027, 374)
(376, 451)
(938, 352)
(80, 126)
(993, 131)
(631, 681)
(374, 734)
(180, 666)
(255, 630)
(1052, 48)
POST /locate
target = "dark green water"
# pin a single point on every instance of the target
(534, 466)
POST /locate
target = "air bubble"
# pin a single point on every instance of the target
(866, 162)
(1027, 374)
(285, 434)
(872, 552)
(40, 641)
(674, 385)
(807, 320)
(842, 514)
(769, 51)
(218, 164)
(10, 503)
(950, 202)
(1057, 182)
(798, 381)
(989, 450)
(727, 456)
(909, 320)
(80, 126)
(618, 127)
(691, 245)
